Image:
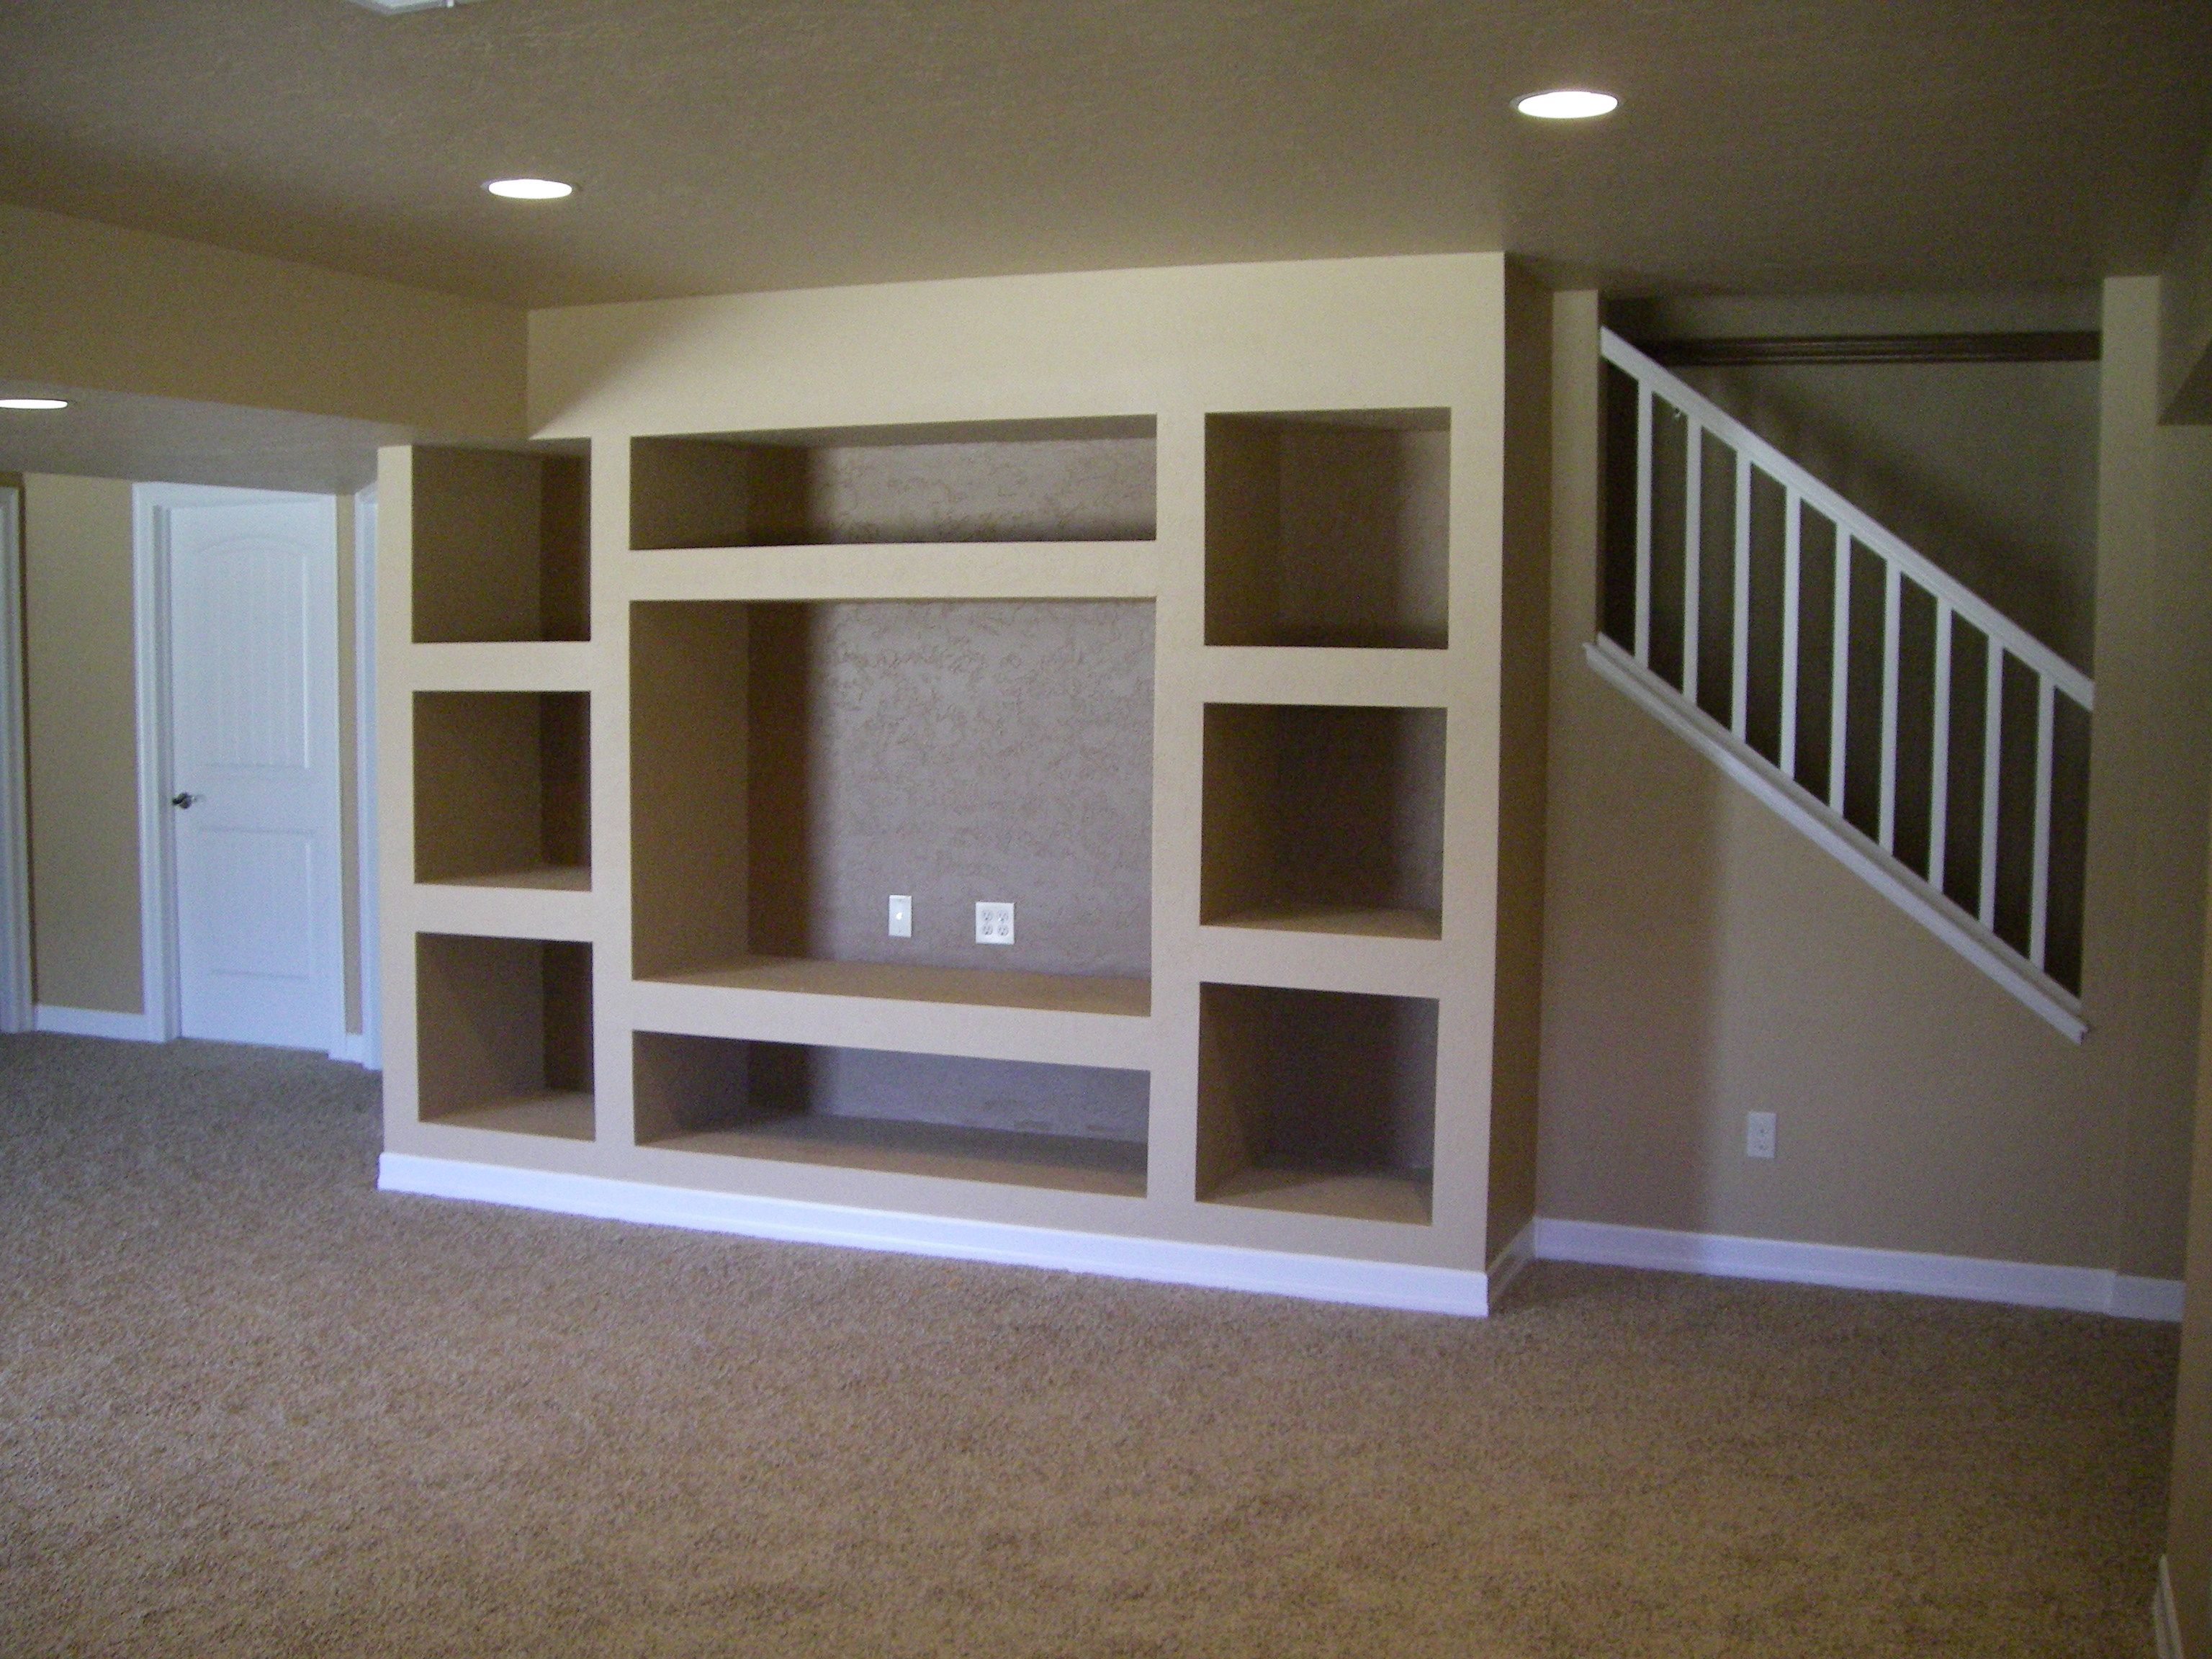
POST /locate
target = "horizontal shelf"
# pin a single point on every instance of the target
(1059, 1018)
(906, 570)
(1350, 922)
(1365, 1196)
(561, 1116)
(549, 903)
(522, 666)
(539, 878)
(971, 986)
(1348, 678)
(1066, 1162)
(1295, 958)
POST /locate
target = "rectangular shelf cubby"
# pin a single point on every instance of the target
(1327, 528)
(501, 546)
(504, 1033)
(502, 788)
(793, 765)
(1026, 481)
(1320, 1103)
(1077, 1128)
(1323, 819)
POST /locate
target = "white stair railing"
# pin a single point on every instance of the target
(1987, 922)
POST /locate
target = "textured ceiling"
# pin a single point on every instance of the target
(1763, 145)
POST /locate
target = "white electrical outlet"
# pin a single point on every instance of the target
(902, 915)
(1758, 1135)
(994, 924)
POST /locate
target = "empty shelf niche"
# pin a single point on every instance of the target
(501, 546)
(503, 1033)
(1323, 819)
(1318, 1101)
(793, 766)
(502, 788)
(1327, 528)
(1077, 1128)
(1027, 481)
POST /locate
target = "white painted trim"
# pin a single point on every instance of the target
(15, 979)
(96, 1023)
(1840, 839)
(1511, 1261)
(371, 1036)
(157, 944)
(353, 1049)
(1850, 1267)
(1220, 1266)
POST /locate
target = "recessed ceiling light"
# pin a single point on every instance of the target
(34, 403)
(531, 190)
(1566, 105)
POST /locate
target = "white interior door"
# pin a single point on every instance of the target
(254, 771)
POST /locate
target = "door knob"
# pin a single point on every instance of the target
(184, 800)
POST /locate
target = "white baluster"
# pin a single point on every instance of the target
(1939, 759)
(1839, 673)
(1993, 732)
(1645, 484)
(1892, 609)
(1739, 667)
(1694, 530)
(1793, 535)
(2039, 925)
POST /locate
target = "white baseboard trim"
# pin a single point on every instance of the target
(96, 1023)
(2025, 1284)
(1219, 1266)
(353, 1047)
(2165, 1623)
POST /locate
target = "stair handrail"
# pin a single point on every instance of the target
(1850, 519)
(1901, 565)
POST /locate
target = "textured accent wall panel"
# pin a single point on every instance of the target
(956, 751)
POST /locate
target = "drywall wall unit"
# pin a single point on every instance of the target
(1158, 540)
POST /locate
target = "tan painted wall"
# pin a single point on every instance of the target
(94, 306)
(2189, 1523)
(83, 742)
(2186, 387)
(2151, 775)
(1703, 960)
(2185, 376)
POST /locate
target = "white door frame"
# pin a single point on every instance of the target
(371, 1040)
(151, 504)
(17, 1013)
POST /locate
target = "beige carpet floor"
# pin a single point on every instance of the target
(250, 1405)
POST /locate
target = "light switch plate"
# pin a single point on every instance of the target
(902, 915)
(994, 924)
(1758, 1135)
